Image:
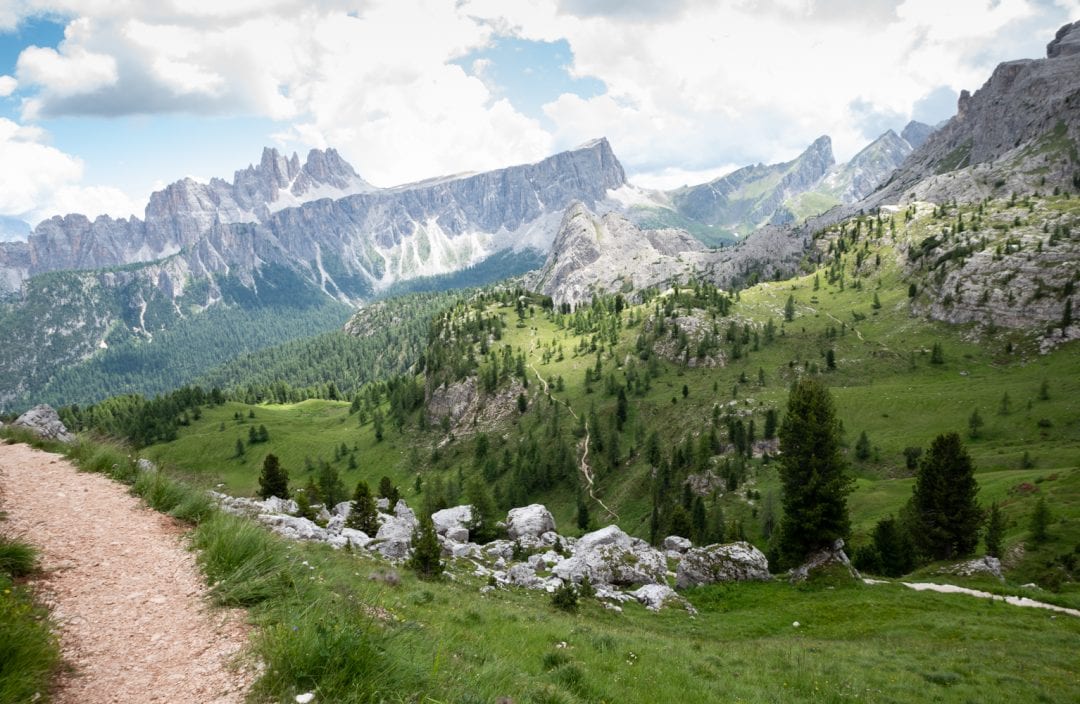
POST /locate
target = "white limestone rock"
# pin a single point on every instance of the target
(733, 562)
(532, 521)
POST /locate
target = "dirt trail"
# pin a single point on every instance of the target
(134, 622)
(583, 464)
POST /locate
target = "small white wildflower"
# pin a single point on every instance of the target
(795, 624)
(305, 697)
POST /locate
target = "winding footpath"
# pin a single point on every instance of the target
(583, 464)
(130, 604)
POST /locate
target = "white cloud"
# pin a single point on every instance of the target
(691, 86)
(39, 180)
(8, 84)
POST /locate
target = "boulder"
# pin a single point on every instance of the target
(294, 527)
(734, 562)
(523, 575)
(394, 539)
(825, 559)
(611, 557)
(44, 422)
(342, 509)
(674, 543)
(453, 522)
(355, 538)
(145, 465)
(655, 596)
(532, 521)
(277, 505)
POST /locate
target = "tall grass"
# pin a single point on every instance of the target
(245, 564)
(29, 654)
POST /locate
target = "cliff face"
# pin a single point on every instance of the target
(323, 220)
(1019, 131)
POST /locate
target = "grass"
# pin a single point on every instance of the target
(29, 653)
(330, 623)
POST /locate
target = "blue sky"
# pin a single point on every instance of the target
(104, 102)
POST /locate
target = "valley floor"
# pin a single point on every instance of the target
(126, 594)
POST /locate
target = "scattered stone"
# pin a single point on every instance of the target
(655, 596)
(611, 557)
(734, 562)
(453, 523)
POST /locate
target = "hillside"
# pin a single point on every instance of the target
(696, 365)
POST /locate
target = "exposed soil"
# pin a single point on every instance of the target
(128, 599)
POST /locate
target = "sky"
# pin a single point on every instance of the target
(104, 101)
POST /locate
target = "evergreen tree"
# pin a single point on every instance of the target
(388, 491)
(680, 523)
(331, 487)
(239, 447)
(363, 516)
(862, 447)
(812, 473)
(770, 424)
(426, 555)
(789, 309)
(482, 526)
(975, 423)
(995, 531)
(945, 514)
(894, 547)
(273, 480)
(698, 526)
(583, 517)
(621, 409)
(937, 354)
(1040, 522)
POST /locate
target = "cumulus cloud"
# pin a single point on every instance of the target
(39, 180)
(8, 84)
(691, 86)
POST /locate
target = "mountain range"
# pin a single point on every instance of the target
(284, 237)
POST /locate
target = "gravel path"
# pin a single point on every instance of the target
(134, 622)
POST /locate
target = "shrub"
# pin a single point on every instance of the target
(565, 598)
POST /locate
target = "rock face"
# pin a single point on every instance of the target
(734, 562)
(824, 559)
(1023, 120)
(322, 220)
(593, 254)
(916, 133)
(529, 521)
(44, 422)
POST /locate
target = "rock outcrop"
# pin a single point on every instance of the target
(1016, 130)
(610, 556)
(44, 422)
(825, 560)
(734, 562)
(977, 567)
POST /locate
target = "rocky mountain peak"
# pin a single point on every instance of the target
(916, 133)
(1066, 42)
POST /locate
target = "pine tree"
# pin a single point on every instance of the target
(621, 409)
(331, 487)
(698, 527)
(274, 480)
(862, 447)
(894, 548)
(363, 516)
(975, 423)
(1040, 522)
(426, 555)
(995, 531)
(812, 473)
(583, 517)
(482, 526)
(388, 491)
(789, 309)
(945, 514)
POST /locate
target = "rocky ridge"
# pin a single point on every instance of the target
(1018, 132)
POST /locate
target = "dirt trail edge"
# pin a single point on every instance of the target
(128, 598)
